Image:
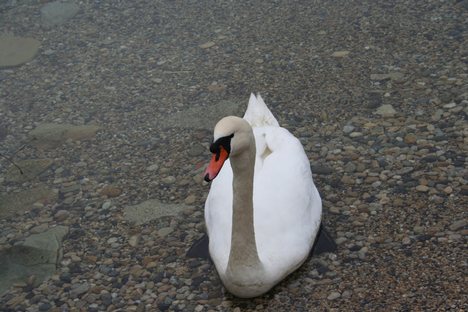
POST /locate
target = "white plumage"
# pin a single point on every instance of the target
(286, 206)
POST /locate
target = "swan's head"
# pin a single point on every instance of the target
(232, 136)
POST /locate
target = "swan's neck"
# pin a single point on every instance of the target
(243, 255)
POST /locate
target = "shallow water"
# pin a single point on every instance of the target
(110, 106)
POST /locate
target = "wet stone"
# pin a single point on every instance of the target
(457, 225)
(15, 51)
(321, 169)
(57, 13)
(334, 295)
(79, 289)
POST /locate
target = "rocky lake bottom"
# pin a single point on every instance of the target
(106, 116)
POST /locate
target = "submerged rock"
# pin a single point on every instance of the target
(30, 168)
(386, 110)
(52, 135)
(23, 201)
(151, 210)
(57, 13)
(15, 51)
(32, 261)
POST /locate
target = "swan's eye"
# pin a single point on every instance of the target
(224, 142)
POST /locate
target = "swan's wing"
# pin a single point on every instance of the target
(287, 205)
(258, 114)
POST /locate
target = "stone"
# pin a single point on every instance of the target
(165, 231)
(16, 51)
(410, 138)
(134, 240)
(419, 229)
(169, 180)
(58, 12)
(111, 191)
(216, 87)
(339, 54)
(422, 188)
(348, 129)
(448, 190)
(30, 169)
(355, 134)
(437, 115)
(151, 210)
(23, 201)
(397, 76)
(112, 240)
(153, 167)
(45, 306)
(79, 289)
(457, 225)
(406, 241)
(350, 167)
(189, 200)
(321, 169)
(37, 256)
(106, 205)
(49, 135)
(207, 45)
(386, 111)
(334, 295)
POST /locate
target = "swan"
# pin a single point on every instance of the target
(263, 211)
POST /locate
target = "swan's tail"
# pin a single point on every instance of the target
(258, 114)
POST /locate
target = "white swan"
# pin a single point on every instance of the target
(263, 210)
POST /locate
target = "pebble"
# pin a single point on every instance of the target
(339, 54)
(386, 111)
(61, 215)
(112, 240)
(111, 191)
(422, 188)
(169, 180)
(356, 134)
(106, 205)
(79, 289)
(134, 240)
(165, 231)
(191, 199)
(153, 167)
(410, 138)
(45, 306)
(207, 45)
(457, 225)
(334, 295)
(348, 129)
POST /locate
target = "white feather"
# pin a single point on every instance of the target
(258, 114)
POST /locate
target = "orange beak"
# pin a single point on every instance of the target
(216, 163)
